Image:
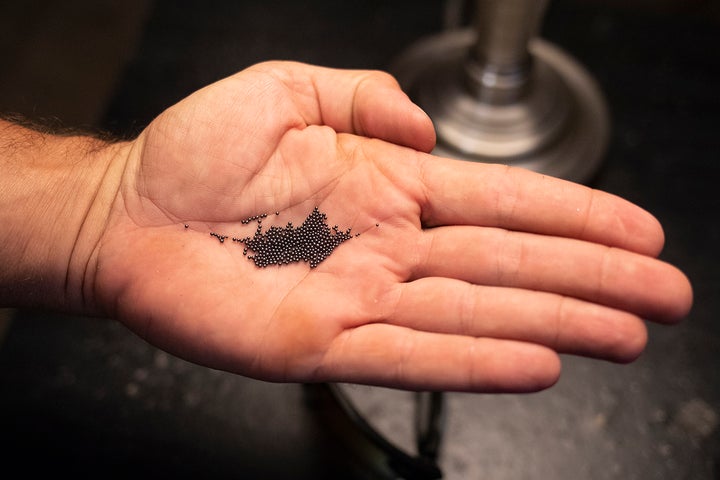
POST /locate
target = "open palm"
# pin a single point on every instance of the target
(464, 276)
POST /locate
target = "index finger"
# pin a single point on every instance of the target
(465, 193)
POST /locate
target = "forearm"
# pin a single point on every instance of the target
(55, 197)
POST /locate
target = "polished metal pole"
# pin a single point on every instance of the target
(498, 66)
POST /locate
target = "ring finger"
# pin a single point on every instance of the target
(565, 324)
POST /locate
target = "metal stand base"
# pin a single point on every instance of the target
(559, 127)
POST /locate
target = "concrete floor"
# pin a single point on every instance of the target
(86, 396)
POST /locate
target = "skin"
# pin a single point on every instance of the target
(476, 278)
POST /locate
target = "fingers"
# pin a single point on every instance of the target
(599, 274)
(399, 357)
(564, 324)
(363, 102)
(460, 192)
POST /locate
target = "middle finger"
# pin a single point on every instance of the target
(605, 275)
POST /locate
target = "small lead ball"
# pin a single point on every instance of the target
(311, 242)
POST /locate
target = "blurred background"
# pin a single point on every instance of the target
(86, 397)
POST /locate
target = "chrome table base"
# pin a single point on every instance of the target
(540, 109)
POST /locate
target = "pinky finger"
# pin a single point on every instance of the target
(399, 357)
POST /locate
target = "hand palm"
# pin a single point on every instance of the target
(266, 141)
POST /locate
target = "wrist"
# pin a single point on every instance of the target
(55, 197)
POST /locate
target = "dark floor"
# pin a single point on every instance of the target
(87, 397)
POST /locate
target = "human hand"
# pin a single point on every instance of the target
(475, 278)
